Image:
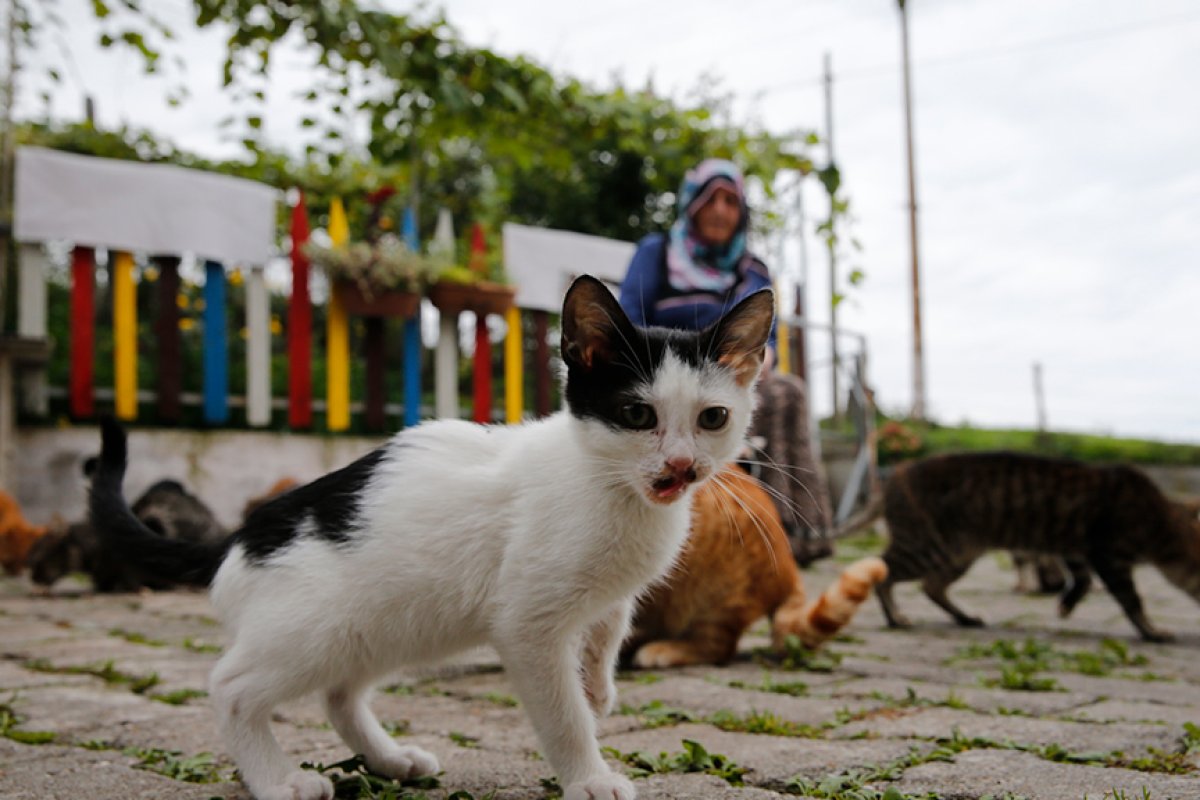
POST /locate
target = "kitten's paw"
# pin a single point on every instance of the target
(657, 655)
(602, 697)
(299, 785)
(968, 621)
(402, 763)
(1158, 635)
(610, 786)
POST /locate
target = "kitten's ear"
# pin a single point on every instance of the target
(593, 324)
(739, 338)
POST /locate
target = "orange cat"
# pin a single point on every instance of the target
(279, 487)
(16, 535)
(736, 567)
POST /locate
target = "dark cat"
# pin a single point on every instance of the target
(166, 508)
(171, 511)
(76, 548)
(944, 512)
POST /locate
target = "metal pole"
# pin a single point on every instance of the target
(1039, 397)
(799, 346)
(918, 406)
(7, 145)
(833, 325)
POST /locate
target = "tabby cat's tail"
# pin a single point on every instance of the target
(813, 623)
(127, 539)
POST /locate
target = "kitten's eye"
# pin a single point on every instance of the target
(713, 418)
(639, 416)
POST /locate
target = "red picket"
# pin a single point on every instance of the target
(83, 330)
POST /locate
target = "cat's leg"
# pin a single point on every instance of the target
(935, 585)
(1051, 577)
(712, 640)
(895, 618)
(359, 728)
(903, 564)
(1023, 565)
(1081, 582)
(1118, 577)
(598, 659)
(243, 696)
(544, 669)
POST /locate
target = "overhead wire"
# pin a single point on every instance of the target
(880, 70)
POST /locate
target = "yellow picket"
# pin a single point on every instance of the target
(125, 336)
(514, 366)
(337, 335)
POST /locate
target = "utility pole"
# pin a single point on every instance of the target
(918, 406)
(800, 335)
(1039, 398)
(833, 326)
(7, 161)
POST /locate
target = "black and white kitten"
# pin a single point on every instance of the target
(535, 539)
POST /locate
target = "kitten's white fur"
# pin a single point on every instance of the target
(534, 539)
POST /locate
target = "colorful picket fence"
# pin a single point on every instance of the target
(540, 262)
(218, 354)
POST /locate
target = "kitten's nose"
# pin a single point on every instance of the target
(683, 467)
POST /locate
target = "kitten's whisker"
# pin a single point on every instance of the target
(786, 470)
(760, 525)
(724, 506)
(790, 505)
(754, 518)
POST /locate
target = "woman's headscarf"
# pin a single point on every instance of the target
(692, 264)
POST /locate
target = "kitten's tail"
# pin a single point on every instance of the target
(127, 539)
(814, 622)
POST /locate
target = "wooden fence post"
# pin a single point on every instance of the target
(170, 350)
(124, 335)
(412, 336)
(514, 368)
(374, 418)
(258, 349)
(216, 346)
(33, 268)
(541, 365)
(337, 332)
(299, 330)
(83, 331)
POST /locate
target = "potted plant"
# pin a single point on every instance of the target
(478, 287)
(379, 279)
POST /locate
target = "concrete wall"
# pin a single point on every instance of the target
(223, 468)
(227, 468)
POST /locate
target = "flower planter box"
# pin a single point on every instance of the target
(482, 298)
(386, 303)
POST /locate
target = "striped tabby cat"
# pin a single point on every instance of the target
(944, 512)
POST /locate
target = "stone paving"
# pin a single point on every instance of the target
(101, 697)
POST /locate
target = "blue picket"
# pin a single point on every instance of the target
(216, 346)
(412, 337)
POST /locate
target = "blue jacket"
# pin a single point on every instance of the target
(649, 299)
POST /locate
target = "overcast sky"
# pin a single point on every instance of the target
(1057, 165)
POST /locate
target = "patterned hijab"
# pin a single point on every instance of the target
(692, 264)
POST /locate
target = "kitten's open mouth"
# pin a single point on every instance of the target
(669, 487)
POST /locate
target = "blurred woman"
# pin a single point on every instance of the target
(686, 278)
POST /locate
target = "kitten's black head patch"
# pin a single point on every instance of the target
(331, 502)
(608, 357)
